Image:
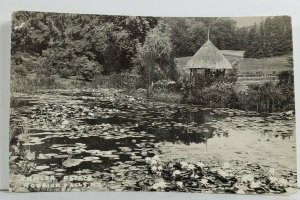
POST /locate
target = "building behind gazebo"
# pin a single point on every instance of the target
(208, 60)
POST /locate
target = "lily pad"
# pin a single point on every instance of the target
(72, 162)
(42, 167)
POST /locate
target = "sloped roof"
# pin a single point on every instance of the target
(208, 57)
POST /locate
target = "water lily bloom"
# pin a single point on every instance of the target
(144, 153)
(176, 172)
(156, 157)
(273, 179)
(247, 178)
(191, 167)
(200, 164)
(159, 168)
(184, 164)
(222, 173)
(153, 162)
(226, 165)
(204, 181)
(255, 184)
(161, 184)
(65, 122)
(154, 168)
(148, 160)
(272, 171)
(180, 184)
(194, 176)
(283, 182)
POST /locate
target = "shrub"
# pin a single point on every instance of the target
(65, 73)
(19, 70)
(219, 94)
(88, 69)
(165, 84)
(266, 97)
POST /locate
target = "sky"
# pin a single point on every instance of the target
(248, 21)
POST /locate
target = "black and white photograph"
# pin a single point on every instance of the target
(143, 103)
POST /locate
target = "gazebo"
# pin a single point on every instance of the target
(208, 60)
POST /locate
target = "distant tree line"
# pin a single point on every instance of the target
(272, 37)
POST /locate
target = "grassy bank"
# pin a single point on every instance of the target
(266, 97)
(29, 84)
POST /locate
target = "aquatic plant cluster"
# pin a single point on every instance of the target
(116, 141)
(188, 177)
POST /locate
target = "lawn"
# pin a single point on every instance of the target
(271, 65)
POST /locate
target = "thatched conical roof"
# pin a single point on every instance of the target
(208, 57)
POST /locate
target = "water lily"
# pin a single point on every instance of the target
(71, 162)
(144, 153)
(273, 179)
(184, 164)
(156, 157)
(200, 164)
(247, 178)
(204, 181)
(222, 173)
(283, 182)
(179, 184)
(161, 184)
(191, 167)
(176, 172)
(255, 184)
(226, 165)
(194, 176)
(42, 167)
(272, 171)
(154, 168)
(65, 122)
(148, 160)
(153, 162)
(29, 155)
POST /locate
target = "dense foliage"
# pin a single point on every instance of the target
(273, 37)
(188, 34)
(78, 43)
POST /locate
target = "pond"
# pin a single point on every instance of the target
(108, 134)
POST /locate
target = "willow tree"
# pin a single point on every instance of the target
(154, 59)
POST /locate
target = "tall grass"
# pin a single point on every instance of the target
(27, 84)
(121, 81)
(165, 95)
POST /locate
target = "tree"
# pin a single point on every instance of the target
(88, 69)
(62, 38)
(155, 60)
(273, 37)
(189, 34)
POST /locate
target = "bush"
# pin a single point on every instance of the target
(88, 69)
(65, 73)
(219, 94)
(266, 97)
(165, 84)
(19, 70)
